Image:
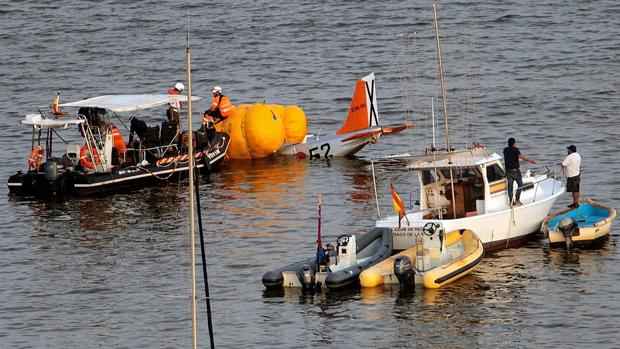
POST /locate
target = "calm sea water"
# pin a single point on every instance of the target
(113, 272)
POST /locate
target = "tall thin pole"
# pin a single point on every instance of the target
(192, 232)
(445, 104)
(374, 184)
(433, 122)
(204, 260)
(441, 79)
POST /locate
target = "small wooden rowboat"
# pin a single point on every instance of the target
(431, 262)
(586, 226)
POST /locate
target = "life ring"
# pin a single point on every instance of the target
(85, 158)
(36, 156)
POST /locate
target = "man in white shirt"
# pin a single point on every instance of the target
(572, 170)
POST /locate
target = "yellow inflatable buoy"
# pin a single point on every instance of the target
(295, 124)
(256, 130)
(264, 130)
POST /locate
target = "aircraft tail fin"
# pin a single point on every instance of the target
(363, 112)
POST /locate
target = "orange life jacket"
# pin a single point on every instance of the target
(119, 142)
(223, 104)
(175, 104)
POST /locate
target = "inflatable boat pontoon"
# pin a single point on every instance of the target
(341, 266)
(435, 260)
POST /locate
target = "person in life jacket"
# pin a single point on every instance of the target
(221, 108)
(173, 110)
(118, 143)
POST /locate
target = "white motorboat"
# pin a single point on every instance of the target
(467, 190)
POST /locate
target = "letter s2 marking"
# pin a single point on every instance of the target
(314, 154)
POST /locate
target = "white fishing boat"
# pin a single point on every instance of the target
(466, 189)
(361, 128)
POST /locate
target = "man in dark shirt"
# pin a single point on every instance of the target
(511, 161)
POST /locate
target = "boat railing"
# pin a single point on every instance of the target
(537, 184)
(92, 135)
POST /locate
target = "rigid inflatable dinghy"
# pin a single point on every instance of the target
(586, 226)
(336, 266)
(435, 260)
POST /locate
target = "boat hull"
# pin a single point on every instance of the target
(374, 246)
(70, 183)
(594, 224)
(462, 252)
(498, 230)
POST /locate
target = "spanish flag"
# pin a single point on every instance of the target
(399, 206)
(55, 109)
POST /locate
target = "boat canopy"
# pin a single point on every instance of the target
(127, 103)
(36, 120)
(458, 158)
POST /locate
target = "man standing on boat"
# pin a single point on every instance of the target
(175, 106)
(221, 108)
(512, 155)
(572, 170)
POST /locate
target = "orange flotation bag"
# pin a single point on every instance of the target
(36, 156)
(85, 158)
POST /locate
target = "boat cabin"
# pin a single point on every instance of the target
(460, 184)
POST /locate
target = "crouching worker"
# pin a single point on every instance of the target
(221, 108)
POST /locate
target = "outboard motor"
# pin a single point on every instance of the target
(306, 277)
(51, 170)
(567, 226)
(404, 272)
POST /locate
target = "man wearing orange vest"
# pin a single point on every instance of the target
(173, 110)
(221, 108)
(118, 143)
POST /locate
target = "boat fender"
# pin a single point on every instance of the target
(306, 276)
(36, 156)
(85, 157)
(404, 272)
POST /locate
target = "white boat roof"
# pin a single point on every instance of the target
(127, 103)
(38, 121)
(458, 158)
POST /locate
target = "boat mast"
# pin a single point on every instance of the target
(433, 122)
(445, 106)
(190, 154)
(441, 79)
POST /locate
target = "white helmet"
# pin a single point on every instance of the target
(216, 89)
(179, 86)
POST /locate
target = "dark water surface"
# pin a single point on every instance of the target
(113, 272)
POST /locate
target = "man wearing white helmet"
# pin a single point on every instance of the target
(221, 108)
(173, 111)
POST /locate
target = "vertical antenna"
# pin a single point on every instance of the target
(433, 121)
(441, 79)
(190, 153)
(374, 184)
